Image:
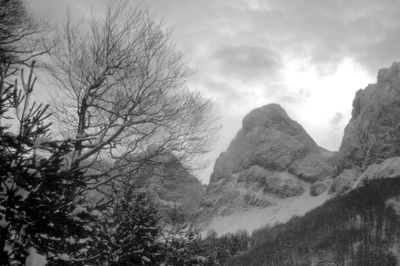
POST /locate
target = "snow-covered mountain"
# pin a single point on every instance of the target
(273, 169)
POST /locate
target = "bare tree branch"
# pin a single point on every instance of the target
(124, 91)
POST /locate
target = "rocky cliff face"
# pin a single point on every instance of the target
(371, 141)
(372, 134)
(271, 158)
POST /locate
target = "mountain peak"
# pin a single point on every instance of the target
(271, 158)
(267, 114)
(271, 139)
(389, 74)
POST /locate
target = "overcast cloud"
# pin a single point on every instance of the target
(310, 56)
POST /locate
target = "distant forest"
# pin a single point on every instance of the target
(359, 228)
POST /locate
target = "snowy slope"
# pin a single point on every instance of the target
(255, 218)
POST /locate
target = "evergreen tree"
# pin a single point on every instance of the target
(41, 201)
(219, 250)
(129, 231)
(182, 241)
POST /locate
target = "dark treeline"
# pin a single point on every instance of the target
(360, 228)
(219, 250)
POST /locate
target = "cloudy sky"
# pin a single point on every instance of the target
(310, 56)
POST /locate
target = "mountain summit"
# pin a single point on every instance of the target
(270, 139)
(272, 160)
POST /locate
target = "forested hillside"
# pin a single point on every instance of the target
(360, 228)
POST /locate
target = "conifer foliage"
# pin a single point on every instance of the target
(221, 249)
(40, 204)
(182, 241)
(129, 231)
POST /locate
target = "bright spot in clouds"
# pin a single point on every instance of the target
(327, 105)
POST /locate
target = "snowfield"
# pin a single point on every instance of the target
(256, 218)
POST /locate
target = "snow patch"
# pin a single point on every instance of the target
(22, 193)
(3, 222)
(64, 257)
(35, 259)
(78, 210)
(256, 218)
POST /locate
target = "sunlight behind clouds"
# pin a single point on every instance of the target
(327, 96)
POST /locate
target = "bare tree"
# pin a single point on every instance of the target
(124, 93)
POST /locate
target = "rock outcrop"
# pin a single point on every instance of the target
(372, 133)
(280, 184)
(318, 188)
(345, 181)
(389, 168)
(371, 140)
(353, 178)
(271, 158)
(270, 139)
